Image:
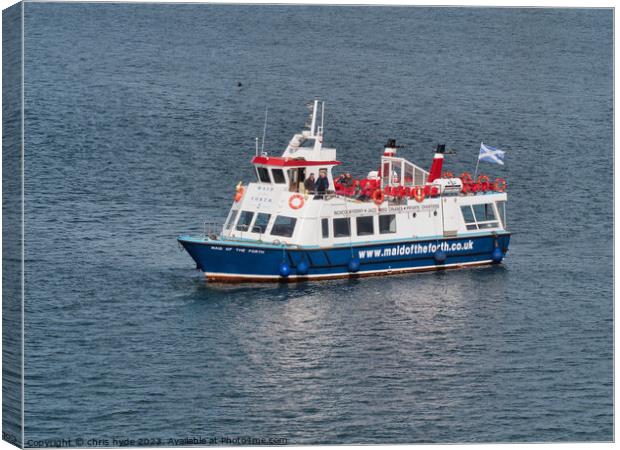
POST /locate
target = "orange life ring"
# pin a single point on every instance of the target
(378, 197)
(499, 185)
(418, 193)
(466, 178)
(483, 179)
(447, 175)
(296, 201)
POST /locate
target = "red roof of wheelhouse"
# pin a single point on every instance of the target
(290, 162)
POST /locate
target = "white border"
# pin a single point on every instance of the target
(439, 3)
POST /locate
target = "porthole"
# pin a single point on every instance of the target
(414, 214)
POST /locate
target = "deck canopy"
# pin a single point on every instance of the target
(400, 172)
(280, 161)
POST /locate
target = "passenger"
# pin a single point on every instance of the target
(322, 184)
(310, 184)
(341, 179)
(348, 181)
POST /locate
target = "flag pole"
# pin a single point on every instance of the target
(477, 162)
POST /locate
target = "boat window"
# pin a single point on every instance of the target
(325, 227)
(484, 211)
(408, 174)
(501, 209)
(420, 178)
(479, 216)
(385, 174)
(231, 218)
(468, 216)
(365, 226)
(260, 224)
(387, 224)
(342, 227)
(278, 176)
(283, 226)
(245, 218)
(307, 143)
(263, 175)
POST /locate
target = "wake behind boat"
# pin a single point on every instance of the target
(296, 222)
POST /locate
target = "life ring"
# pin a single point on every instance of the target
(447, 175)
(240, 190)
(483, 182)
(466, 178)
(418, 194)
(296, 201)
(499, 185)
(378, 197)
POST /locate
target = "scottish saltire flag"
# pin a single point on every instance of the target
(491, 154)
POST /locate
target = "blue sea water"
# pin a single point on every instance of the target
(137, 131)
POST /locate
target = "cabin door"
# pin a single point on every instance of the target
(296, 177)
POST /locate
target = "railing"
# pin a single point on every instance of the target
(211, 229)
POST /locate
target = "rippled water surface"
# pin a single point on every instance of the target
(137, 131)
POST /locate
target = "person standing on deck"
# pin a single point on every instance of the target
(310, 184)
(322, 184)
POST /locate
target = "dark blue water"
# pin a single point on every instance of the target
(137, 131)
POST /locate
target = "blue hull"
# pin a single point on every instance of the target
(234, 261)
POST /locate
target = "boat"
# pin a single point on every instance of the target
(399, 218)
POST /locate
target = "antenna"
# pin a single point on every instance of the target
(256, 146)
(322, 116)
(264, 129)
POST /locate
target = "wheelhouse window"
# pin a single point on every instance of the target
(501, 209)
(278, 176)
(387, 223)
(480, 216)
(283, 226)
(325, 228)
(342, 227)
(231, 219)
(261, 222)
(245, 219)
(365, 226)
(468, 216)
(485, 215)
(263, 175)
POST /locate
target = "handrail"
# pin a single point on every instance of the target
(211, 228)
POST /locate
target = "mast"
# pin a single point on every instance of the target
(314, 111)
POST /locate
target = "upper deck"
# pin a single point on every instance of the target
(398, 201)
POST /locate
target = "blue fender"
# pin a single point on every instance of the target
(285, 269)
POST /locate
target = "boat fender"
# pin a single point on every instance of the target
(302, 268)
(440, 256)
(418, 194)
(497, 255)
(296, 201)
(499, 185)
(285, 269)
(354, 265)
(378, 196)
